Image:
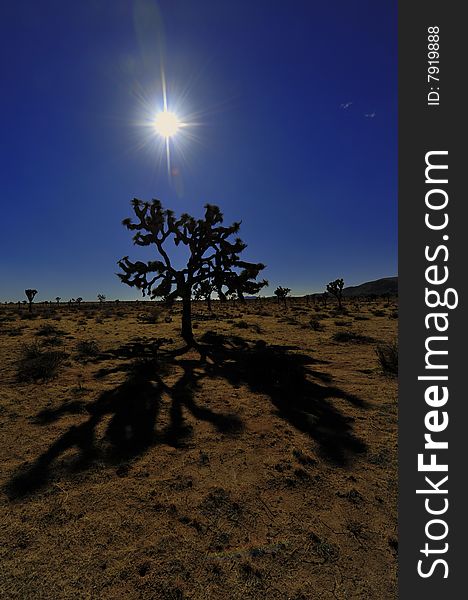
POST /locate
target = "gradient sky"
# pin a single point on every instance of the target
(263, 81)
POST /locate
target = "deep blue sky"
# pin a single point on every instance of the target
(314, 183)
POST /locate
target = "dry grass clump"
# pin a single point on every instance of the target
(48, 331)
(387, 355)
(352, 337)
(87, 349)
(315, 324)
(37, 364)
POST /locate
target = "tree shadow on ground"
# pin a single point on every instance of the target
(286, 377)
(134, 406)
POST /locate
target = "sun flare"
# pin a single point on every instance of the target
(166, 124)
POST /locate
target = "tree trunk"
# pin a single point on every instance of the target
(208, 301)
(30, 307)
(187, 332)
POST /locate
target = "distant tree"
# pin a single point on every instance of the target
(232, 296)
(30, 296)
(335, 288)
(212, 258)
(57, 299)
(101, 298)
(203, 291)
(79, 300)
(281, 293)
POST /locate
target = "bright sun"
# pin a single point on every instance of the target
(166, 124)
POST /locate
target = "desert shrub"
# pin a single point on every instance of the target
(48, 330)
(387, 355)
(352, 337)
(339, 312)
(28, 316)
(15, 331)
(379, 313)
(241, 325)
(315, 324)
(87, 349)
(360, 318)
(151, 318)
(37, 364)
(343, 323)
(52, 340)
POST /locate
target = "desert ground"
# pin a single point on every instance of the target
(262, 465)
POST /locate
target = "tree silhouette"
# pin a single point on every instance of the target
(281, 293)
(30, 296)
(212, 258)
(101, 298)
(79, 300)
(335, 288)
(57, 299)
(203, 291)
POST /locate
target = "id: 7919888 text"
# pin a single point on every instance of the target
(433, 70)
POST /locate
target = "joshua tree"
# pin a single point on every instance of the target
(30, 296)
(335, 288)
(79, 300)
(281, 294)
(101, 298)
(57, 299)
(212, 258)
(203, 291)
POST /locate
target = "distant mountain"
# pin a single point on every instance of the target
(380, 287)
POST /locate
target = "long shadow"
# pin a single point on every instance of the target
(133, 406)
(286, 378)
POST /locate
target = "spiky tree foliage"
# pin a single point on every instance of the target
(281, 293)
(101, 298)
(30, 296)
(57, 299)
(203, 291)
(335, 288)
(79, 300)
(212, 257)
